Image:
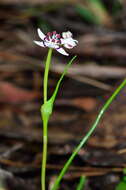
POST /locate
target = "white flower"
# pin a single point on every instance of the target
(67, 40)
(54, 40)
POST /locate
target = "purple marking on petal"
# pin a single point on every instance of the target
(44, 43)
(70, 45)
(58, 48)
(59, 41)
(62, 51)
(47, 38)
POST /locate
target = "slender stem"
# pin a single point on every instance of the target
(45, 122)
(44, 160)
(47, 64)
(81, 184)
(84, 140)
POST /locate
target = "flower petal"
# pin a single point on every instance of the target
(51, 45)
(67, 34)
(39, 43)
(62, 51)
(69, 43)
(68, 46)
(41, 34)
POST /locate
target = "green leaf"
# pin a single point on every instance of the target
(52, 99)
(94, 11)
(87, 136)
(116, 7)
(121, 186)
(47, 107)
(86, 14)
(81, 183)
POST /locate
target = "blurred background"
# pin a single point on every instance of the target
(99, 26)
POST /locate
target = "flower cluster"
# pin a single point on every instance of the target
(55, 41)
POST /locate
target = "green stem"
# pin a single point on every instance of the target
(81, 183)
(44, 160)
(84, 140)
(47, 64)
(45, 118)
